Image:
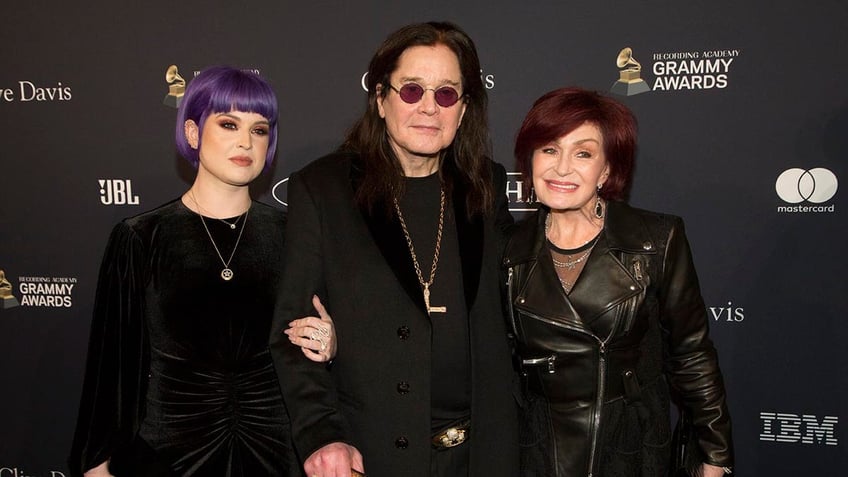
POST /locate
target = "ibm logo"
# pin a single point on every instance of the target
(792, 428)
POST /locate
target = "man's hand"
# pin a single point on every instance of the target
(334, 460)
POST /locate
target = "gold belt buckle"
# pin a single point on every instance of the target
(451, 437)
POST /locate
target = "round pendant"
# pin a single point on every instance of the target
(232, 226)
(227, 274)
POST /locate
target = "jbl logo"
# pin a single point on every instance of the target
(117, 192)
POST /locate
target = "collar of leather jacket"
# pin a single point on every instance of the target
(624, 231)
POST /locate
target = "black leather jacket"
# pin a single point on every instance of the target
(606, 359)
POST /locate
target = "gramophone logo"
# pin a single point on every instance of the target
(7, 299)
(176, 87)
(629, 81)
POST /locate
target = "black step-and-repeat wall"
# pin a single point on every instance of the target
(743, 113)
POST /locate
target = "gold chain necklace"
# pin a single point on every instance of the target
(226, 273)
(566, 285)
(231, 224)
(426, 285)
(571, 264)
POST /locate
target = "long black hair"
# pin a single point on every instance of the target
(469, 152)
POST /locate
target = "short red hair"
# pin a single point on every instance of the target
(561, 111)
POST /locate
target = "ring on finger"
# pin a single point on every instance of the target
(314, 336)
(324, 331)
(323, 344)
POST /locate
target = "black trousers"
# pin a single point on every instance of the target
(451, 462)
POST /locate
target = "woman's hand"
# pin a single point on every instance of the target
(101, 470)
(316, 336)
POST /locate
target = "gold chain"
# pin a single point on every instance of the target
(424, 285)
(571, 264)
(226, 273)
(203, 212)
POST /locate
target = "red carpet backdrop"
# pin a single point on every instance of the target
(743, 112)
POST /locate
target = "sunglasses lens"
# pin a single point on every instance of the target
(411, 93)
(446, 96)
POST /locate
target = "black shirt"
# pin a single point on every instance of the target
(451, 370)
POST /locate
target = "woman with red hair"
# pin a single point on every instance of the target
(606, 309)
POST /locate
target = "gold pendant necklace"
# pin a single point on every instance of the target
(232, 225)
(426, 285)
(227, 272)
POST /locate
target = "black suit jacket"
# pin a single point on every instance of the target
(360, 266)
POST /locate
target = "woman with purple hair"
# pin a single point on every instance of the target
(179, 379)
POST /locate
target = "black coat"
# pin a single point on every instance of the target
(360, 266)
(603, 362)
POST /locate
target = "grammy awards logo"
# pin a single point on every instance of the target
(629, 77)
(7, 300)
(176, 87)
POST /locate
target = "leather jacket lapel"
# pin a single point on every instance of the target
(626, 232)
(542, 294)
(603, 284)
(539, 291)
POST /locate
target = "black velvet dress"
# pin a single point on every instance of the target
(179, 380)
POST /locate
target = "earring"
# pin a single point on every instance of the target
(599, 206)
(531, 197)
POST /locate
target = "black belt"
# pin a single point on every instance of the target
(452, 436)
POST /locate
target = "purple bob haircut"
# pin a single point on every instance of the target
(221, 89)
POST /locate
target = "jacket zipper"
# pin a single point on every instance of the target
(509, 294)
(602, 370)
(550, 360)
